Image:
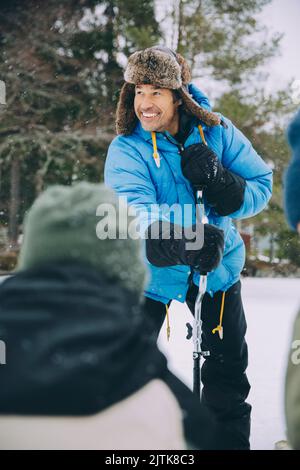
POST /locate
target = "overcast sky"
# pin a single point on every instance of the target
(284, 16)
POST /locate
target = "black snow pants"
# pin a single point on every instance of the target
(225, 384)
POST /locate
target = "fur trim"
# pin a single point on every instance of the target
(186, 76)
(192, 107)
(156, 66)
(153, 67)
(126, 118)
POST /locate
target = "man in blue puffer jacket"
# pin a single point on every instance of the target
(169, 146)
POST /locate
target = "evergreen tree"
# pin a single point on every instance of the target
(219, 38)
(225, 44)
(62, 63)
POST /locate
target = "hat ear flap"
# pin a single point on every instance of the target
(192, 107)
(186, 76)
(125, 115)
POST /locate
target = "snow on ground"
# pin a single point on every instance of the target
(270, 306)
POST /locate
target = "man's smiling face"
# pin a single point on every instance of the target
(156, 109)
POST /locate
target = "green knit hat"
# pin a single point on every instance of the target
(61, 225)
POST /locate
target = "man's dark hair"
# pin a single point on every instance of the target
(176, 95)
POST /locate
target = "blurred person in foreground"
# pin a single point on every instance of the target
(292, 209)
(83, 369)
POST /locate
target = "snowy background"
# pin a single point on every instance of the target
(270, 306)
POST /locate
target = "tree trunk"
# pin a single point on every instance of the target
(272, 247)
(14, 206)
(0, 179)
(180, 27)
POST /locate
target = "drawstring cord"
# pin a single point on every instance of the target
(168, 323)
(155, 152)
(202, 134)
(219, 328)
(154, 144)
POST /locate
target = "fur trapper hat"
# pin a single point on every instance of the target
(164, 68)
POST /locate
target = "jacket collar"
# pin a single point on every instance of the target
(164, 138)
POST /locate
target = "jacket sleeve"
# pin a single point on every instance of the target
(240, 158)
(126, 173)
(200, 97)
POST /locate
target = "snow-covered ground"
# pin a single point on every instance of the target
(270, 306)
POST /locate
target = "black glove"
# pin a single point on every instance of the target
(224, 190)
(167, 244)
